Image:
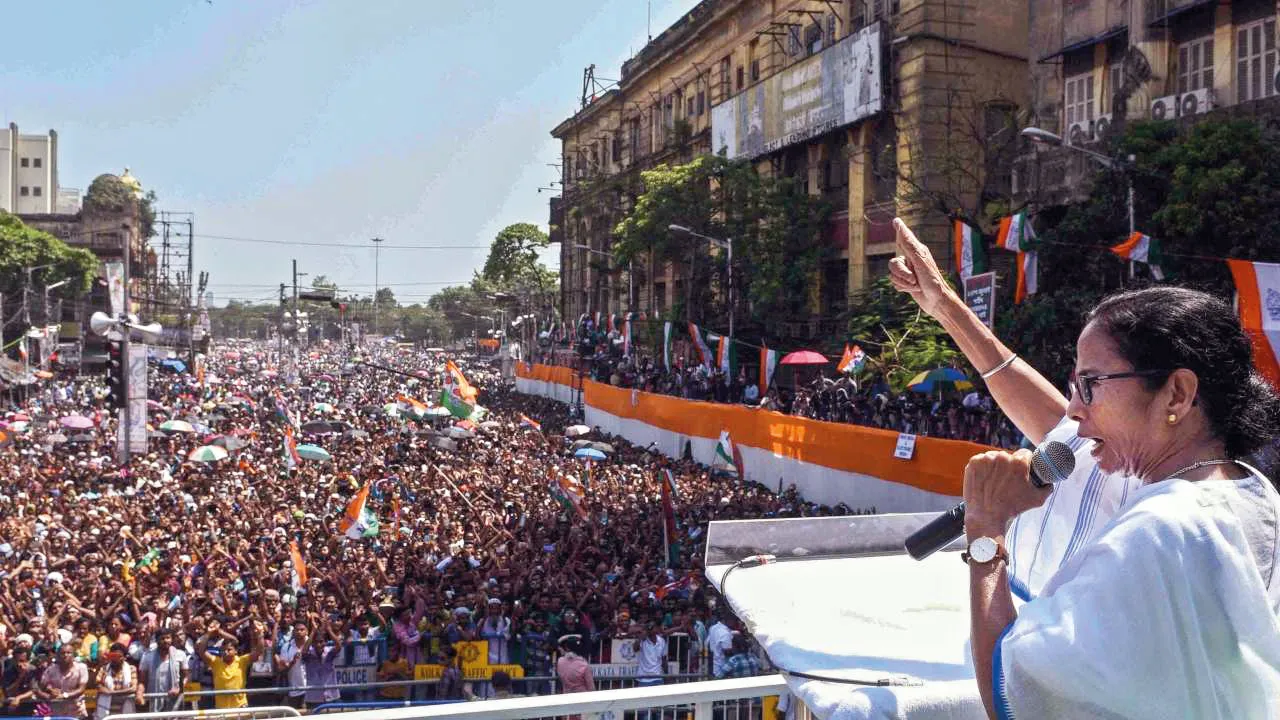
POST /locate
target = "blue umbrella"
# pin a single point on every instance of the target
(587, 453)
(927, 382)
(174, 364)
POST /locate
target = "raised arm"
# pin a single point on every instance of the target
(1032, 402)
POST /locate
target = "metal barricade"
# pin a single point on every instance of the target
(348, 707)
(259, 713)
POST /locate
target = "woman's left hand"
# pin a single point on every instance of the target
(997, 488)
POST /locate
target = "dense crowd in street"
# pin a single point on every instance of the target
(235, 573)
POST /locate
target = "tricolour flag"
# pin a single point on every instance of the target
(458, 395)
(526, 421)
(1258, 285)
(290, 449)
(670, 544)
(666, 345)
(727, 455)
(969, 251)
(768, 365)
(1017, 235)
(570, 494)
(1144, 249)
(358, 519)
(726, 357)
(704, 352)
(299, 567)
(852, 360)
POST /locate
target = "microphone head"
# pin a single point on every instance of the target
(1052, 463)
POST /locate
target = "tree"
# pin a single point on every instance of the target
(900, 340)
(23, 247)
(1206, 193)
(109, 195)
(322, 282)
(776, 229)
(514, 252)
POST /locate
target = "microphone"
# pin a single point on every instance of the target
(1051, 463)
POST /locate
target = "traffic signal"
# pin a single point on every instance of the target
(117, 394)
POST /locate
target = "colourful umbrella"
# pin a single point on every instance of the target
(324, 407)
(313, 452)
(588, 453)
(576, 430)
(76, 422)
(208, 453)
(927, 382)
(177, 426)
(805, 357)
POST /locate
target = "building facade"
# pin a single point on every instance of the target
(882, 107)
(1101, 62)
(28, 171)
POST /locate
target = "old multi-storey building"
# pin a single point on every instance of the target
(1100, 62)
(884, 107)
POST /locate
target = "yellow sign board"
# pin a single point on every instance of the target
(473, 653)
(478, 672)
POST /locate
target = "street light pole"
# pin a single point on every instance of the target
(1038, 135)
(727, 244)
(377, 244)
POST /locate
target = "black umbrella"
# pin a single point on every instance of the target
(78, 439)
(443, 443)
(318, 427)
(341, 426)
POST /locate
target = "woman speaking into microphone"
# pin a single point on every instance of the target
(1171, 608)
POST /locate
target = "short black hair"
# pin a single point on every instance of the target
(501, 680)
(1167, 328)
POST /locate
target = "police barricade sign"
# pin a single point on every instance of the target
(477, 672)
(358, 663)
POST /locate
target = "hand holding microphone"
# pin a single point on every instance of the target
(997, 486)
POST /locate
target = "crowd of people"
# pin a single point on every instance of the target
(957, 414)
(237, 573)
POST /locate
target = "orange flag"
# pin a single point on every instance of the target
(299, 567)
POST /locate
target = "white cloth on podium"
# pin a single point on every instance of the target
(1166, 614)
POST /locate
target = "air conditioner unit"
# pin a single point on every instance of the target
(1102, 126)
(1080, 133)
(1164, 108)
(1195, 102)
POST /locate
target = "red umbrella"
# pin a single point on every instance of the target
(805, 357)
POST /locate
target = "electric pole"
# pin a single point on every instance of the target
(377, 242)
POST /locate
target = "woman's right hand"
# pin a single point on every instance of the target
(914, 271)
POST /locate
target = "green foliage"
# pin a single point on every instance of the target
(108, 194)
(775, 225)
(899, 340)
(22, 247)
(514, 252)
(1205, 193)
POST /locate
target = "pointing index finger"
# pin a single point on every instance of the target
(908, 244)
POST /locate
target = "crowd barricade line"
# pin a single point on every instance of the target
(246, 713)
(348, 707)
(775, 446)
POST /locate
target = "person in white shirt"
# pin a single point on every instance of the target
(651, 652)
(751, 393)
(289, 661)
(719, 643)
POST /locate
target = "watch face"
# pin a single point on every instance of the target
(983, 549)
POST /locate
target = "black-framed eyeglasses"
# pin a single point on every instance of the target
(1083, 384)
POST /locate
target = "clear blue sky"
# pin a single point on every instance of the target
(419, 121)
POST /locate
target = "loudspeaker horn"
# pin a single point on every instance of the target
(101, 323)
(150, 333)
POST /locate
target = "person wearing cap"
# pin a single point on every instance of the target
(117, 685)
(571, 668)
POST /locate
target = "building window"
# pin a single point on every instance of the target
(25, 162)
(36, 191)
(755, 70)
(794, 46)
(1195, 65)
(634, 130)
(24, 191)
(741, 82)
(724, 79)
(702, 102)
(1256, 60)
(812, 39)
(37, 162)
(617, 145)
(1079, 100)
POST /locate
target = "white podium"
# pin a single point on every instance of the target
(845, 601)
